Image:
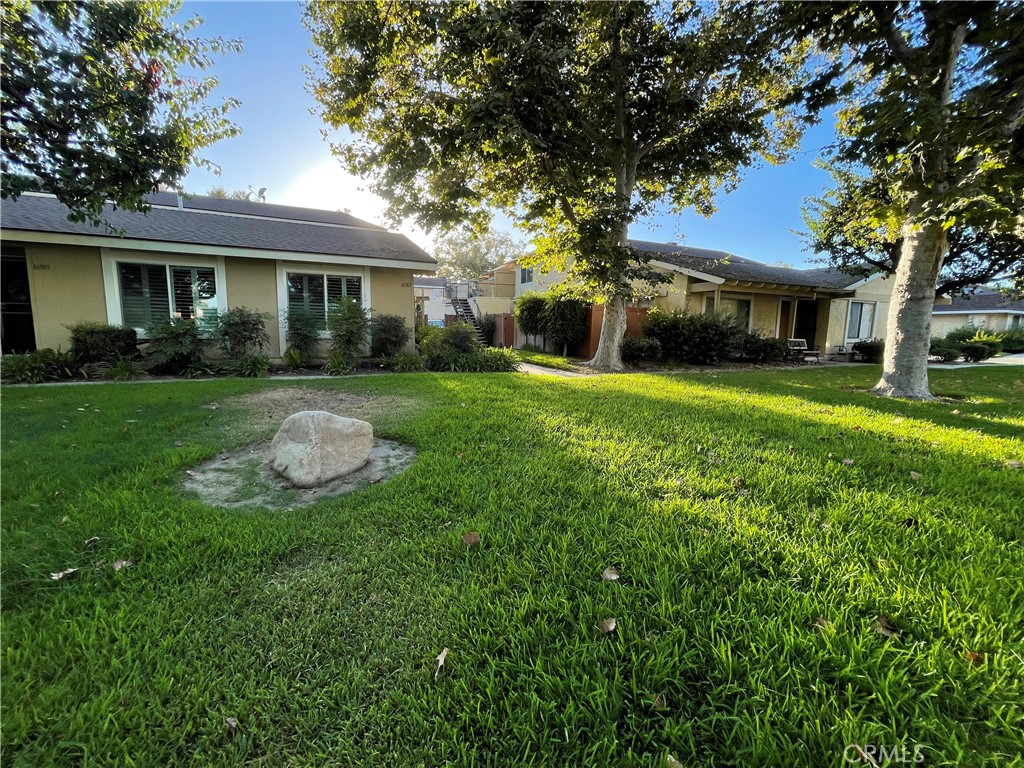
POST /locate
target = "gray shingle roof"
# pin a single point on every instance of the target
(987, 301)
(267, 210)
(730, 267)
(311, 235)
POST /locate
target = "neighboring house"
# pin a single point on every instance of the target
(827, 308)
(990, 310)
(193, 258)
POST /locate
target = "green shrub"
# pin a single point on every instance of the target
(990, 340)
(961, 334)
(406, 362)
(388, 335)
(242, 332)
(870, 351)
(304, 333)
(689, 338)
(178, 348)
(423, 331)
(565, 321)
(488, 327)
(339, 363)
(754, 348)
(494, 360)
(254, 366)
(99, 343)
(949, 351)
(456, 348)
(37, 367)
(1013, 340)
(293, 358)
(122, 369)
(975, 352)
(639, 349)
(531, 308)
(347, 323)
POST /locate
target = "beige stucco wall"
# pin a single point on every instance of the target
(66, 287)
(487, 305)
(672, 295)
(943, 324)
(391, 294)
(252, 283)
(764, 314)
(838, 312)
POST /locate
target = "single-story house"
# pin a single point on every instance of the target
(990, 310)
(828, 308)
(192, 257)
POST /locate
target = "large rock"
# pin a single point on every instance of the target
(315, 447)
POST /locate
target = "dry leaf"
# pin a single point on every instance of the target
(977, 659)
(956, 411)
(611, 573)
(63, 574)
(671, 762)
(1014, 464)
(915, 475)
(64, 519)
(607, 625)
(461, 456)
(93, 540)
(737, 483)
(232, 724)
(848, 462)
(190, 473)
(440, 662)
(471, 539)
(119, 564)
(657, 702)
(179, 443)
(885, 627)
(821, 624)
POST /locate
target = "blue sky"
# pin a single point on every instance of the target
(281, 147)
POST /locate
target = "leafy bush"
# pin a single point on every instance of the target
(488, 327)
(304, 334)
(177, 347)
(388, 335)
(975, 352)
(99, 343)
(406, 362)
(961, 334)
(565, 321)
(254, 366)
(990, 340)
(754, 348)
(37, 367)
(1013, 340)
(456, 348)
(293, 358)
(689, 338)
(122, 369)
(637, 349)
(241, 332)
(531, 308)
(347, 323)
(949, 351)
(870, 351)
(339, 363)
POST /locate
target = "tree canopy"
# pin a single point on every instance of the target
(100, 101)
(465, 255)
(572, 117)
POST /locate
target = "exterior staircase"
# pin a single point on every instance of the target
(465, 313)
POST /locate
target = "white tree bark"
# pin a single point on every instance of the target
(908, 337)
(613, 327)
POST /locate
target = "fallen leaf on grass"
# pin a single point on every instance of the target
(977, 659)
(190, 473)
(119, 564)
(848, 462)
(440, 662)
(64, 519)
(915, 475)
(822, 624)
(1013, 464)
(671, 762)
(737, 483)
(955, 411)
(884, 627)
(657, 702)
(607, 626)
(232, 724)
(93, 540)
(60, 575)
(611, 573)
(471, 539)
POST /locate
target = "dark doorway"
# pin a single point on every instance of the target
(17, 334)
(806, 320)
(785, 317)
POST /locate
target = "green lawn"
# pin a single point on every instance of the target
(548, 360)
(755, 566)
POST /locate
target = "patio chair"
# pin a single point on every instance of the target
(799, 351)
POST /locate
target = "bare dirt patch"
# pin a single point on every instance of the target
(272, 406)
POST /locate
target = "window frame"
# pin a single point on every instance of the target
(312, 268)
(747, 297)
(525, 275)
(111, 259)
(849, 316)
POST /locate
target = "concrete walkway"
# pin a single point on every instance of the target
(540, 370)
(1016, 359)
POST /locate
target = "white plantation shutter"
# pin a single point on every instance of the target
(144, 298)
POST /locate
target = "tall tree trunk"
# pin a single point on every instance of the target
(905, 365)
(613, 327)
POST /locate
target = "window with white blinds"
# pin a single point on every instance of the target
(154, 293)
(313, 294)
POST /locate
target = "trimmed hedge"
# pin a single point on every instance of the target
(99, 343)
(695, 339)
(871, 351)
(636, 350)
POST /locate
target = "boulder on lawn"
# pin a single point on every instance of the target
(315, 447)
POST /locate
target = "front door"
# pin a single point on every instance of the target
(806, 320)
(17, 334)
(785, 317)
